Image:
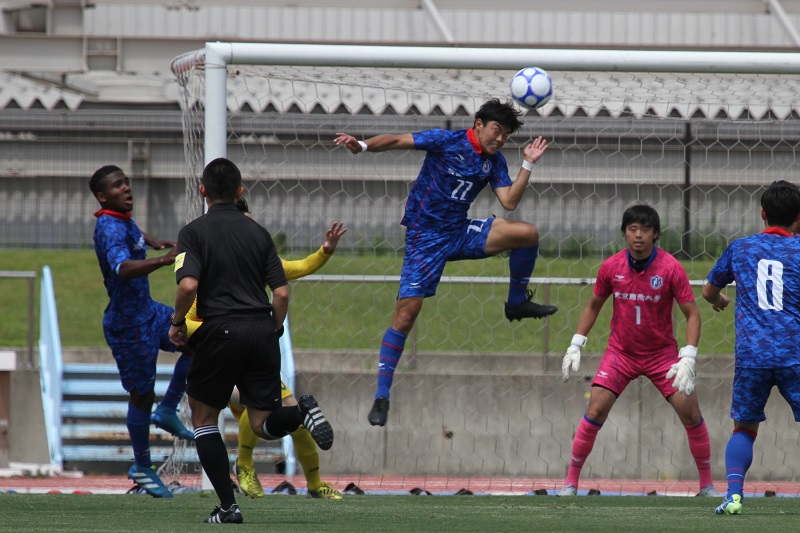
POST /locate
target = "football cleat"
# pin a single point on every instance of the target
(529, 309)
(167, 419)
(379, 412)
(146, 478)
(315, 422)
(248, 481)
(326, 491)
(710, 491)
(568, 490)
(221, 516)
(731, 505)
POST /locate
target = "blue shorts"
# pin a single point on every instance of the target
(427, 252)
(136, 349)
(752, 387)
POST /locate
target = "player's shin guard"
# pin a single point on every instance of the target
(700, 446)
(392, 347)
(247, 441)
(582, 446)
(738, 458)
(213, 457)
(308, 454)
(520, 262)
(281, 422)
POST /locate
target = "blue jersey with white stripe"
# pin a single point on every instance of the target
(117, 240)
(452, 175)
(767, 274)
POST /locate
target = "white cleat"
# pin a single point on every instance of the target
(568, 490)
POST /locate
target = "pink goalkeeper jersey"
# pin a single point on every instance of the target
(641, 324)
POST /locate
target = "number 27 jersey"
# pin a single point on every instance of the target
(454, 171)
(641, 324)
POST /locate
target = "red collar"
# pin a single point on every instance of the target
(115, 214)
(777, 231)
(473, 140)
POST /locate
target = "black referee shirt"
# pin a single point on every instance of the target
(233, 258)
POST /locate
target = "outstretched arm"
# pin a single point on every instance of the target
(157, 244)
(332, 237)
(510, 197)
(305, 267)
(134, 268)
(379, 143)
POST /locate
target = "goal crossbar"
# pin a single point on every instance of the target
(216, 56)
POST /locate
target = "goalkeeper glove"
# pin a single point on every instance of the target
(572, 359)
(683, 370)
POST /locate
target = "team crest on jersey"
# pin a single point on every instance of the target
(656, 282)
(487, 166)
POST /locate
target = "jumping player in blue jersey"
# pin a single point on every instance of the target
(458, 165)
(135, 326)
(767, 276)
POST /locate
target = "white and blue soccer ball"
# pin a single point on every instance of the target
(531, 87)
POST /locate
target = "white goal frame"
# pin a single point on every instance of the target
(217, 56)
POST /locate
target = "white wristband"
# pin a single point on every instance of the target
(579, 340)
(527, 165)
(688, 351)
(363, 146)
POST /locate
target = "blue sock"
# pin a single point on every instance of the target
(391, 350)
(520, 263)
(177, 383)
(139, 428)
(738, 458)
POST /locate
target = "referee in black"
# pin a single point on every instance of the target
(226, 260)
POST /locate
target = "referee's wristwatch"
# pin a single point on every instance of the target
(176, 324)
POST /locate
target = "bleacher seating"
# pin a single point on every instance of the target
(94, 433)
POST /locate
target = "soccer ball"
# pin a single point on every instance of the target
(531, 87)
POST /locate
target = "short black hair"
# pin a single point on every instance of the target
(504, 113)
(222, 180)
(99, 174)
(781, 203)
(641, 214)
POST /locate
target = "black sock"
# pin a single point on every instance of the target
(281, 422)
(214, 458)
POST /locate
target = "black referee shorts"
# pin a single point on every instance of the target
(241, 352)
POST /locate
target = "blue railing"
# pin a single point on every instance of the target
(51, 368)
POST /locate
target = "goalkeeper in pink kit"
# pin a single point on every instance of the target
(644, 281)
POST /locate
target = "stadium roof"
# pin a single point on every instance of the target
(426, 92)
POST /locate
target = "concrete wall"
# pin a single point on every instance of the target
(492, 415)
(512, 415)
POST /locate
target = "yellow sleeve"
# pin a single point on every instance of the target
(305, 267)
(192, 320)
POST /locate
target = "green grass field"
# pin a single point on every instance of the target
(353, 316)
(386, 514)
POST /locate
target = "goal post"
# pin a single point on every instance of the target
(698, 135)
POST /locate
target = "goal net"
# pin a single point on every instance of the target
(475, 395)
